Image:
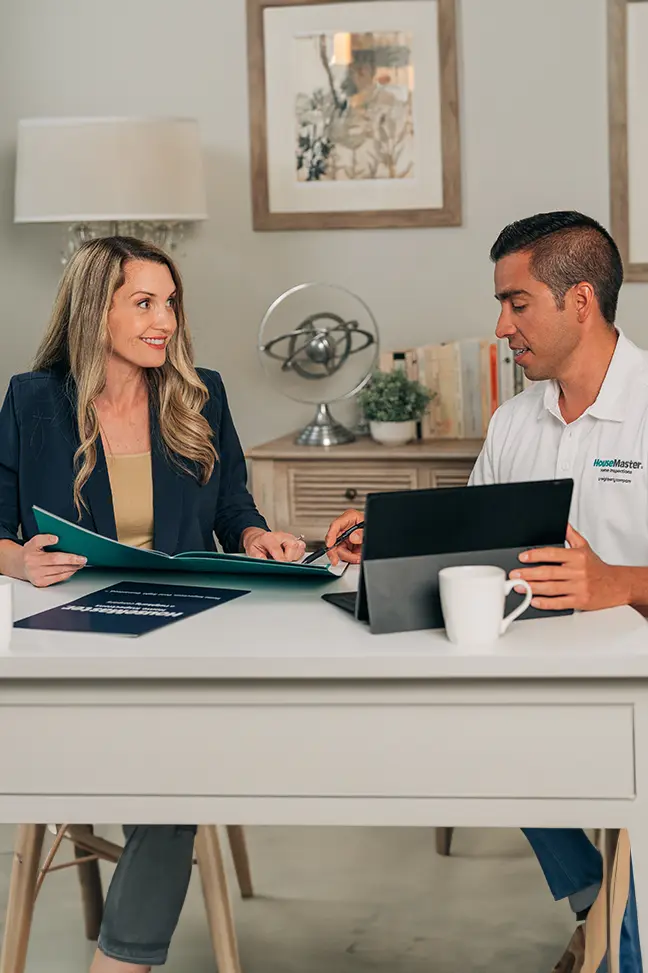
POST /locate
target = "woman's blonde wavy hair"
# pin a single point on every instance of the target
(78, 342)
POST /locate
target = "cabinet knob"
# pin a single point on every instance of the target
(350, 493)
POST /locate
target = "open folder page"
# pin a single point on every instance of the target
(102, 552)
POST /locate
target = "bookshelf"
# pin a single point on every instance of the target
(469, 378)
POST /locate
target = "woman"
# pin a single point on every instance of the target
(116, 430)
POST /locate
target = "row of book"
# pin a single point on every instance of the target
(470, 379)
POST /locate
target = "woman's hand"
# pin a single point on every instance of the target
(274, 545)
(44, 568)
(349, 550)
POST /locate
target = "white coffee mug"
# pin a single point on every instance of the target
(472, 599)
(6, 612)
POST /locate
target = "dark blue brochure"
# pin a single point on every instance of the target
(130, 608)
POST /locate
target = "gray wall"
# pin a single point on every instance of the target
(534, 124)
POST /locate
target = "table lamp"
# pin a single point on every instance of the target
(129, 176)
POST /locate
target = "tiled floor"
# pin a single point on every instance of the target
(348, 901)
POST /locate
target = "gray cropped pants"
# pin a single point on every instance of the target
(147, 893)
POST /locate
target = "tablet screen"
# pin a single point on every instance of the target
(480, 518)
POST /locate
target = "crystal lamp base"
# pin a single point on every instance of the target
(168, 236)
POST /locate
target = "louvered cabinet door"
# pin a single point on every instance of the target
(449, 478)
(317, 493)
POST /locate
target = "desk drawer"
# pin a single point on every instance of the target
(322, 749)
(319, 492)
(444, 478)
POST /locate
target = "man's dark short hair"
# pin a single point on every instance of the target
(566, 249)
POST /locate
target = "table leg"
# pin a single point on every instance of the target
(22, 889)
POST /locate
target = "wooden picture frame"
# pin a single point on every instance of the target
(619, 118)
(448, 208)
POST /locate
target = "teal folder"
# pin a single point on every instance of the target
(102, 552)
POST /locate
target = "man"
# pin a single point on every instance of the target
(557, 280)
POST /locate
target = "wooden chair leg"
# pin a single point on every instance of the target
(91, 890)
(444, 841)
(241, 859)
(611, 839)
(217, 900)
(22, 889)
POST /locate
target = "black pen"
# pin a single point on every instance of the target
(324, 550)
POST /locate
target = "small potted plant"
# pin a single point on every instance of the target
(393, 403)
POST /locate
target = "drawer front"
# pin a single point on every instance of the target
(320, 492)
(322, 750)
(450, 478)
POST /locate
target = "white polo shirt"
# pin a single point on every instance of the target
(605, 452)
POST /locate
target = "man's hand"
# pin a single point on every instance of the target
(274, 545)
(573, 578)
(349, 550)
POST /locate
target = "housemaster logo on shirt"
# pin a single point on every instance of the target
(621, 470)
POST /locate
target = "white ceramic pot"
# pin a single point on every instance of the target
(393, 433)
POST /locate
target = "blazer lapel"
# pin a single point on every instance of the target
(168, 493)
(96, 491)
(99, 498)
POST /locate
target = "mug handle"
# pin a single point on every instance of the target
(508, 588)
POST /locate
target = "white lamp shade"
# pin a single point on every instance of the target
(83, 170)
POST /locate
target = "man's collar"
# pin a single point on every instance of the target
(612, 400)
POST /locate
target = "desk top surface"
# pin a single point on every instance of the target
(285, 631)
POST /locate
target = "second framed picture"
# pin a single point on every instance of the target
(354, 114)
(628, 86)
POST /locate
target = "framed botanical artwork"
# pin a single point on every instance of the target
(628, 95)
(354, 114)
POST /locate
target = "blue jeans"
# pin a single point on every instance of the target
(147, 893)
(571, 863)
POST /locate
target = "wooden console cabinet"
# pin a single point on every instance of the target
(301, 489)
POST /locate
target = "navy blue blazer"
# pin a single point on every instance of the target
(38, 439)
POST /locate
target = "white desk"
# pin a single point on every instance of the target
(280, 709)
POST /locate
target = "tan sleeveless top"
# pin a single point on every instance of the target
(131, 483)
